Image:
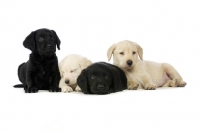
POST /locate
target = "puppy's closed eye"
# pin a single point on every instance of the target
(73, 70)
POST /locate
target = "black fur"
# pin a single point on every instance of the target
(40, 72)
(102, 78)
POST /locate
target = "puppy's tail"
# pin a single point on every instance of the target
(18, 86)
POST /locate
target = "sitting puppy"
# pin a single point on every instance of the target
(102, 78)
(147, 74)
(40, 72)
(70, 68)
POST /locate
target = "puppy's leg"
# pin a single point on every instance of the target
(132, 83)
(54, 79)
(171, 83)
(147, 82)
(65, 88)
(173, 74)
(31, 85)
(27, 77)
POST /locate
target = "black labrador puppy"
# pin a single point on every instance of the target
(41, 71)
(102, 78)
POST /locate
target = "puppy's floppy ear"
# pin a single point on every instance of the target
(140, 51)
(82, 82)
(119, 79)
(116, 83)
(29, 41)
(110, 51)
(84, 63)
(57, 39)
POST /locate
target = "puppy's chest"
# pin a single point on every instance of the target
(44, 70)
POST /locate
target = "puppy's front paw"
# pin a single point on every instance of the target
(150, 86)
(66, 89)
(78, 89)
(31, 90)
(132, 85)
(54, 89)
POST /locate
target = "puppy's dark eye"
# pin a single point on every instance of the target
(52, 38)
(93, 77)
(40, 39)
(134, 52)
(106, 77)
(122, 53)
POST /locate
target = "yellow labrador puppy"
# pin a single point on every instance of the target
(70, 68)
(146, 74)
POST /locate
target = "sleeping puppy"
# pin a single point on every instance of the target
(40, 72)
(146, 74)
(70, 68)
(102, 78)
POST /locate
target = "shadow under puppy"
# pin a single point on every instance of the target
(102, 78)
(70, 68)
(41, 71)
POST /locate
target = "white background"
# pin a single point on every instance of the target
(168, 31)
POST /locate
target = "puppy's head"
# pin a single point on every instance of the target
(42, 41)
(125, 54)
(95, 80)
(99, 80)
(71, 66)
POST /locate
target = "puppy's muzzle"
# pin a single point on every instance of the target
(50, 46)
(129, 62)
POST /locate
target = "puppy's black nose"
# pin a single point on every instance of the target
(129, 62)
(100, 86)
(67, 81)
(49, 45)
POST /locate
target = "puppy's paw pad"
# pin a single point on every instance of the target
(78, 89)
(150, 86)
(67, 89)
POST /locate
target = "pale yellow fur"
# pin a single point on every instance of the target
(145, 74)
(70, 68)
